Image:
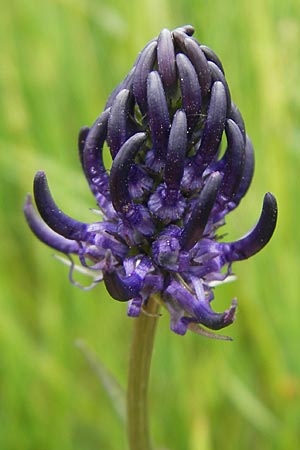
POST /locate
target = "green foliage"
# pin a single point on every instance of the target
(59, 61)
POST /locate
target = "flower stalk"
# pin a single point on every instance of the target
(138, 376)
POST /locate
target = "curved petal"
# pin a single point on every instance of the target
(46, 234)
(177, 147)
(125, 84)
(199, 311)
(211, 56)
(125, 287)
(82, 135)
(190, 89)
(199, 61)
(234, 160)
(187, 29)
(258, 237)
(118, 121)
(236, 116)
(195, 227)
(166, 59)
(52, 215)
(248, 171)
(93, 165)
(158, 115)
(218, 75)
(144, 66)
(214, 125)
(119, 174)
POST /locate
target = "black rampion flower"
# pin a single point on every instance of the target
(169, 188)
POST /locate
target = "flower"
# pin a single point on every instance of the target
(169, 189)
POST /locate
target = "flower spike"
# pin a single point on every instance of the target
(169, 188)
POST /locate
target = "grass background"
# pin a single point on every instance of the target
(59, 61)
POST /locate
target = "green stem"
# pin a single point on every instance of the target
(138, 376)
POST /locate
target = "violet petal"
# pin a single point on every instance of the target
(195, 227)
(190, 89)
(214, 125)
(93, 165)
(187, 29)
(236, 116)
(125, 287)
(52, 215)
(83, 132)
(259, 236)
(248, 171)
(200, 311)
(166, 59)
(234, 160)
(177, 147)
(158, 115)
(218, 75)
(125, 84)
(166, 204)
(119, 289)
(211, 56)
(143, 68)
(117, 128)
(45, 233)
(199, 61)
(119, 174)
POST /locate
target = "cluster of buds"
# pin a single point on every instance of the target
(181, 160)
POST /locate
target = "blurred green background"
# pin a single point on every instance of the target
(59, 60)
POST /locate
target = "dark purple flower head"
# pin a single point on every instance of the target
(169, 189)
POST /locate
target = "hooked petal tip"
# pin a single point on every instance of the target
(259, 236)
(52, 215)
(46, 234)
